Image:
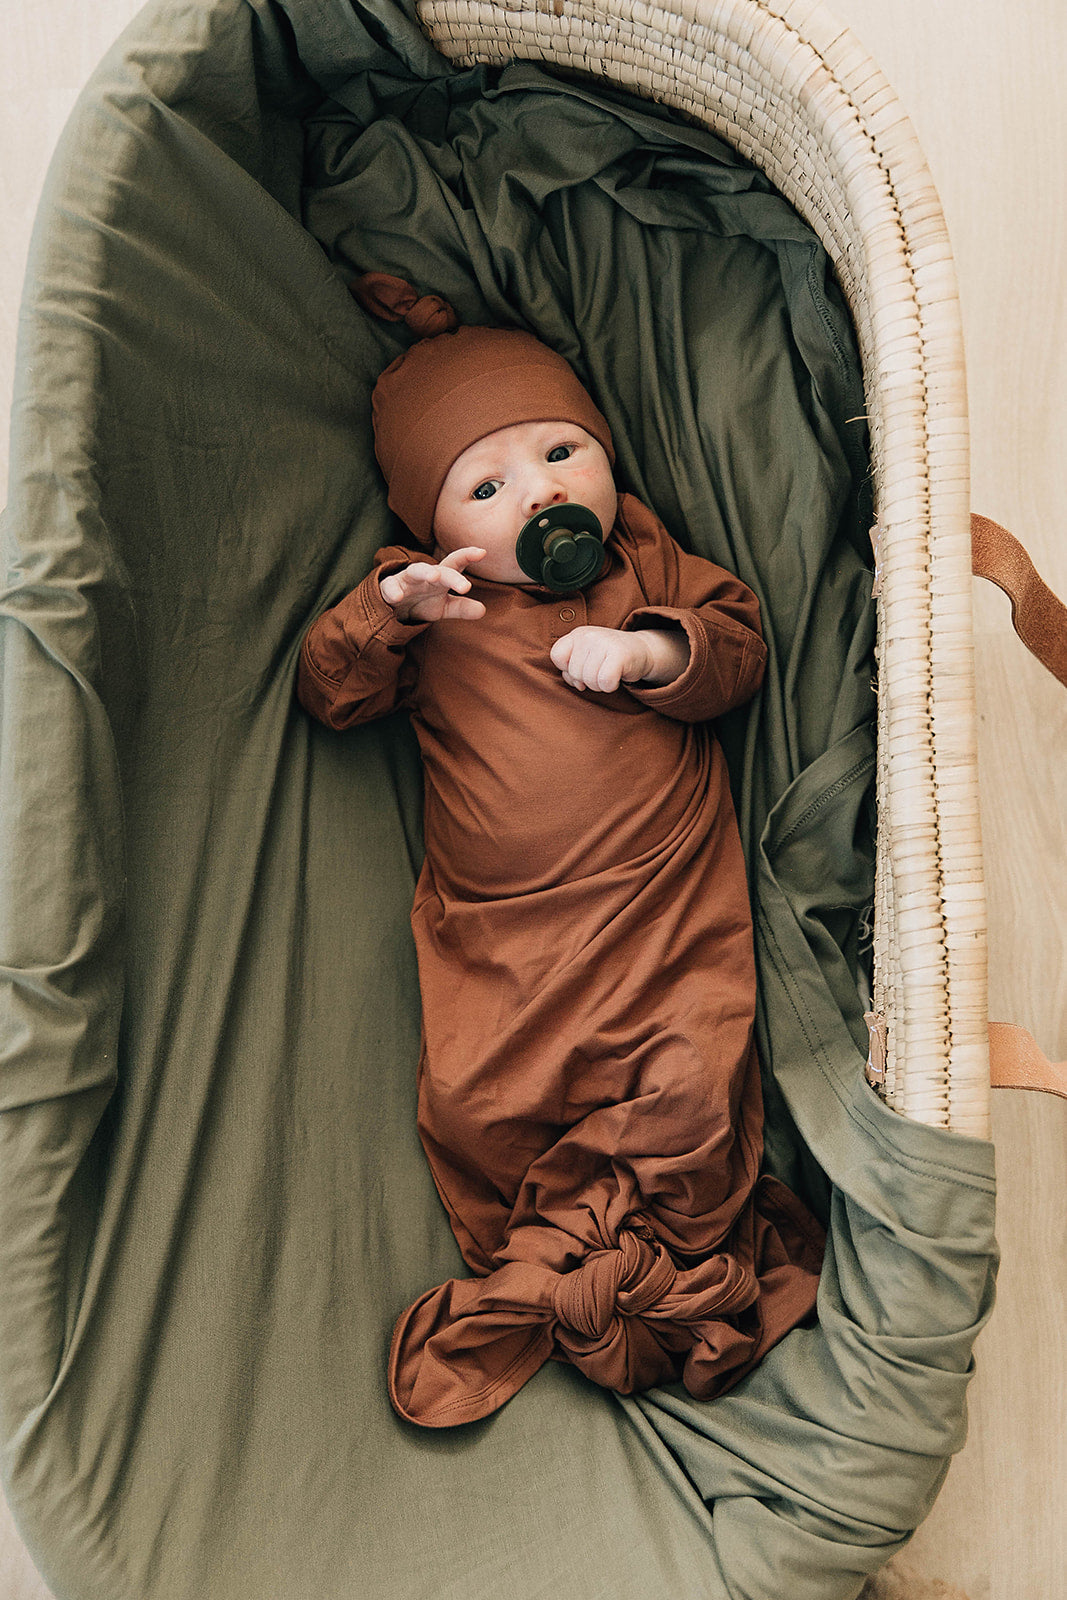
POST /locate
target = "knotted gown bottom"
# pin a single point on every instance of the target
(589, 1103)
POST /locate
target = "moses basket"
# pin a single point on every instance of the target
(197, 1288)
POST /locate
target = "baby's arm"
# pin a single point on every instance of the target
(355, 663)
(713, 608)
(602, 658)
(354, 660)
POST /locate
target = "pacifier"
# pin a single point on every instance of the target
(561, 547)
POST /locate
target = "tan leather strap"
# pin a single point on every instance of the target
(1039, 618)
(1016, 1061)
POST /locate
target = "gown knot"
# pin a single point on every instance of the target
(624, 1281)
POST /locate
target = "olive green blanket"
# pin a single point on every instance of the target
(213, 1202)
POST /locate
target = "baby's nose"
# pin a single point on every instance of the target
(544, 490)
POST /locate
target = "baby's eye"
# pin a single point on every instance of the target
(484, 491)
(561, 452)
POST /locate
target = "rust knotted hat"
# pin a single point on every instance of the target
(454, 386)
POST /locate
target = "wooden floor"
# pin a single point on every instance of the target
(984, 85)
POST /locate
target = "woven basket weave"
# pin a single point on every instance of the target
(792, 90)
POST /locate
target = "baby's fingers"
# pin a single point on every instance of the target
(462, 609)
(571, 655)
(456, 560)
(561, 651)
(421, 577)
(590, 658)
(426, 577)
(604, 670)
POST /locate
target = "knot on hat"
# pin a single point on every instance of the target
(610, 1283)
(396, 301)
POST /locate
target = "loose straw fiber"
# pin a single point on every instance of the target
(792, 90)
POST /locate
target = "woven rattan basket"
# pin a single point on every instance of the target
(792, 90)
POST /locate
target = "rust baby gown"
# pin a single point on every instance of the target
(589, 1096)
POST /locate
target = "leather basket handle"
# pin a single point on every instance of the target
(1039, 618)
(1016, 1061)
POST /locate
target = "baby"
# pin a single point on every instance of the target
(589, 1096)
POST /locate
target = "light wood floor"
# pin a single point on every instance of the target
(983, 83)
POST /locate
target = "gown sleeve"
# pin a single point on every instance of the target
(717, 612)
(354, 660)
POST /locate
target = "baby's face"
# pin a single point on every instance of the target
(499, 482)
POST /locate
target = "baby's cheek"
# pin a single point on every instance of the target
(594, 486)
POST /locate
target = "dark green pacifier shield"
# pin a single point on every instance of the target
(562, 547)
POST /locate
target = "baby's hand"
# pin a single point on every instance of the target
(602, 658)
(429, 590)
